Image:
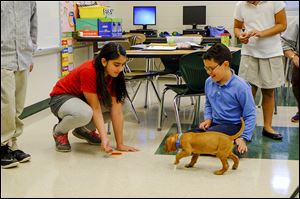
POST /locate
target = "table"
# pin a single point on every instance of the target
(164, 40)
(95, 40)
(149, 55)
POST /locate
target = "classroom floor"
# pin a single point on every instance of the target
(270, 170)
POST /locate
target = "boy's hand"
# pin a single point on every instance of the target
(241, 145)
(205, 125)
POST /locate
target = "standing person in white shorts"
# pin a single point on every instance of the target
(261, 62)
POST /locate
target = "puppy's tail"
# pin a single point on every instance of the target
(238, 134)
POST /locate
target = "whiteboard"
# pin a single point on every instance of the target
(48, 24)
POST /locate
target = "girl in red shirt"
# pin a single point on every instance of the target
(83, 99)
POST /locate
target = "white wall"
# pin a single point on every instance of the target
(169, 14)
(46, 72)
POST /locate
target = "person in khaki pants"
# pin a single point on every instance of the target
(18, 42)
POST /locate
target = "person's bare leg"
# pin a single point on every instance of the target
(268, 103)
(254, 90)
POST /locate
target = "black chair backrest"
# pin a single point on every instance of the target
(235, 61)
(192, 69)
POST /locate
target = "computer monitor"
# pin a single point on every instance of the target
(194, 15)
(144, 15)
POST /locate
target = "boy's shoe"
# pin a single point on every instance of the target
(295, 118)
(7, 159)
(20, 155)
(275, 135)
(61, 141)
(91, 137)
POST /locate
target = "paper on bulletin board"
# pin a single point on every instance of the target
(67, 16)
(103, 3)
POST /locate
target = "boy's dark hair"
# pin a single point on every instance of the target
(110, 51)
(219, 53)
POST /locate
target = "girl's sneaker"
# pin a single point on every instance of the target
(295, 118)
(62, 143)
(92, 137)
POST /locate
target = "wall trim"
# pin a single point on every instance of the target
(35, 108)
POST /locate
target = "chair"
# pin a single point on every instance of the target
(171, 63)
(134, 75)
(235, 61)
(126, 44)
(141, 75)
(194, 75)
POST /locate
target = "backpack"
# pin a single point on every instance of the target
(217, 31)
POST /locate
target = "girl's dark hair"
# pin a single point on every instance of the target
(219, 53)
(110, 51)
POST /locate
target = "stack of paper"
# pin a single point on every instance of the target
(160, 48)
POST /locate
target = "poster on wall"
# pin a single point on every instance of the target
(67, 16)
(67, 19)
(67, 64)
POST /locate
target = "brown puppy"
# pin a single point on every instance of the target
(210, 142)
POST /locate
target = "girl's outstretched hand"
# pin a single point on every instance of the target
(123, 147)
(105, 145)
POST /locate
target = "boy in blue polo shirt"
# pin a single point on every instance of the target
(228, 98)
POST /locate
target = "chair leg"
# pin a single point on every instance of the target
(192, 101)
(146, 94)
(178, 100)
(160, 112)
(155, 90)
(179, 130)
(133, 109)
(196, 113)
(134, 95)
(157, 95)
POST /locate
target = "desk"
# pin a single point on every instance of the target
(95, 40)
(158, 54)
(205, 40)
(150, 55)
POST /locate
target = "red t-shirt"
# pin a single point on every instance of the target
(79, 80)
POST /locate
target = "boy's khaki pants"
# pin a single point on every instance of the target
(13, 92)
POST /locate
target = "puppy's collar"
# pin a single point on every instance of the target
(178, 141)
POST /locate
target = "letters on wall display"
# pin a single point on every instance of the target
(67, 17)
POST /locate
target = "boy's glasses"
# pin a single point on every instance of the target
(211, 69)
